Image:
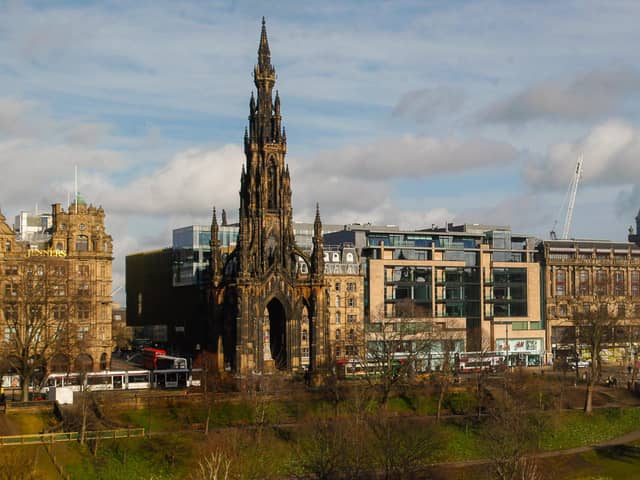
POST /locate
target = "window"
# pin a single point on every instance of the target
(59, 271)
(351, 302)
(10, 289)
(304, 336)
(561, 283)
(59, 246)
(83, 270)
(351, 287)
(349, 257)
(58, 290)
(35, 269)
(10, 312)
(586, 307)
(34, 333)
(583, 282)
(338, 318)
(59, 312)
(83, 311)
(618, 283)
(601, 282)
(83, 289)
(352, 318)
(621, 310)
(635, 284)
(337, 334)
(305, 351)
(337, 286)
(7, 245)
(35, 312)
(337, 300)
(562, 310)
(352, 336)
(636, 309)
(82, 243)
(83, 332)
(11, 270)
(9, 333)
(338, 352)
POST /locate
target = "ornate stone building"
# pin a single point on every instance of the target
(267, 292)
(584, 275)
(345, 300)
(56, 292)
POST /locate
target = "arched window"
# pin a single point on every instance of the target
(103, 361)
(83, 363)
(59, 246)
(82, 243)
(304, 335)
(337, 300)
(349, 257)
(272, 201)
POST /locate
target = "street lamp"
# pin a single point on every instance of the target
(506, 329)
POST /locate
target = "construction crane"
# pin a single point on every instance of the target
(570, 200)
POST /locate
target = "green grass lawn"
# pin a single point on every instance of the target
(575, 429)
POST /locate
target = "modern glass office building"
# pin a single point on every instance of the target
(479, 282)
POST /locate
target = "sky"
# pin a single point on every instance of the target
(409, 113)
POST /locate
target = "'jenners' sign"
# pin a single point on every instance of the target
(46, 253)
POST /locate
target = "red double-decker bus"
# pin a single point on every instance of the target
(150, 357)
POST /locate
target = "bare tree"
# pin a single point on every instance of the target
(393, 347)
(214, 466)
(399, 448)
(595, 328)
(31, 335)
(510, 436)
(445, 376)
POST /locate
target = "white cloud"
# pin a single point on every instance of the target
(411, 156)
(189, 183)
(588, 96)
(611, 151)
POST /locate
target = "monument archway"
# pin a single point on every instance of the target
(277, 333)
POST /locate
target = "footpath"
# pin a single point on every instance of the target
(614, 442)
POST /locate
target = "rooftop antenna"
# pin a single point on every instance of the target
(75, 186)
